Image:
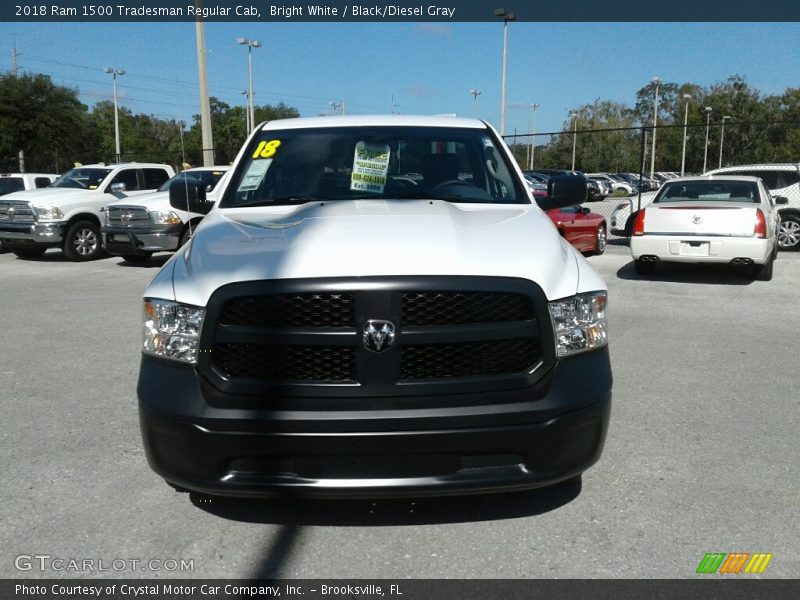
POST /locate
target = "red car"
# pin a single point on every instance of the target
(582, 228)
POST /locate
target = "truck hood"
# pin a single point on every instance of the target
(373, 238)
(152, 201)
(55, 196)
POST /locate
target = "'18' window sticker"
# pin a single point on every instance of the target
(266, 149)
(370, 165)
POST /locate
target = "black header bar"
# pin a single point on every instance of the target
(27, 11)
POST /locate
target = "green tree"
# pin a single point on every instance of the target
(229, 129)
(45, 121)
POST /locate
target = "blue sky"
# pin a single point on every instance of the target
(427, 68)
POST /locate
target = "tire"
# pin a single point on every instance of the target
(764, 272)
(137, 258)
(601, 239)
(644, 268)
(29, 253)
(789, 232)
(82, 242)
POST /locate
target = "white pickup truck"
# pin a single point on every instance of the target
(67, 214)
(374, 306)
(135, 230)
(18, 182)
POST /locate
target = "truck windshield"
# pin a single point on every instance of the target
(293, 166)
(210, 179)
(82, 178)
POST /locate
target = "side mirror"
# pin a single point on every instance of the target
(585, 210)
(189, 194)
(781, 200)
(118, 188)
(564, 190)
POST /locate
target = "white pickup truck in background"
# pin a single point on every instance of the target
(18, 182)
(67, 214)
(135, 230)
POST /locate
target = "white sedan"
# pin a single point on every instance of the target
(711, 219)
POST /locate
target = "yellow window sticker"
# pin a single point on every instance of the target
(370, 165)
(266, 149)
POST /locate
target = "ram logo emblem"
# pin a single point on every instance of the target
(378, 335)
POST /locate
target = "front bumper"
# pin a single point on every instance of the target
(702, 249)
(488, 442)
(122, 241)
(16, 235)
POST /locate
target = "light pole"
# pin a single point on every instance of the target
(722, 139)
(685, 125)
(574, 117)
(506, 16)
(705, 151)
(114, 73)
(250, 45)
(656, 80)
(337, 105)
(532, 146)
(475, 93)
(247, 126)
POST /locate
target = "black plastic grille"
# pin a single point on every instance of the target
(286, 363)
(436, 361)
(457, 308)
(291, 310)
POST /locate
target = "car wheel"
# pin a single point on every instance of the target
(644, 268)
(764, 272)
(600, 240)
(137, 258)
(82, 241)
(789, 232)
(28, 253)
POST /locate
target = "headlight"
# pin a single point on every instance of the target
(49, 213)
(166, 217)
(172, 330)
(579, 323)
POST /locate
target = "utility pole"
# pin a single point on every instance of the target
(14, 58)
(475, 93)
(574, 137)
(506, 16)
(656, 80)
(705, 151)
(532, 147)
(205, 107)
(685, 123)
(722, 138)
(114, 73)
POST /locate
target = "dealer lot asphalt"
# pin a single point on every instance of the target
(702, 453)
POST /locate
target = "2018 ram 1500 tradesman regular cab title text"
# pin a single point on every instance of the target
(374, 306)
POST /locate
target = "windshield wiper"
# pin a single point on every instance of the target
(280, 201)
(445, 197)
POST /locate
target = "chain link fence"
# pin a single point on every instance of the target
(770, 150)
